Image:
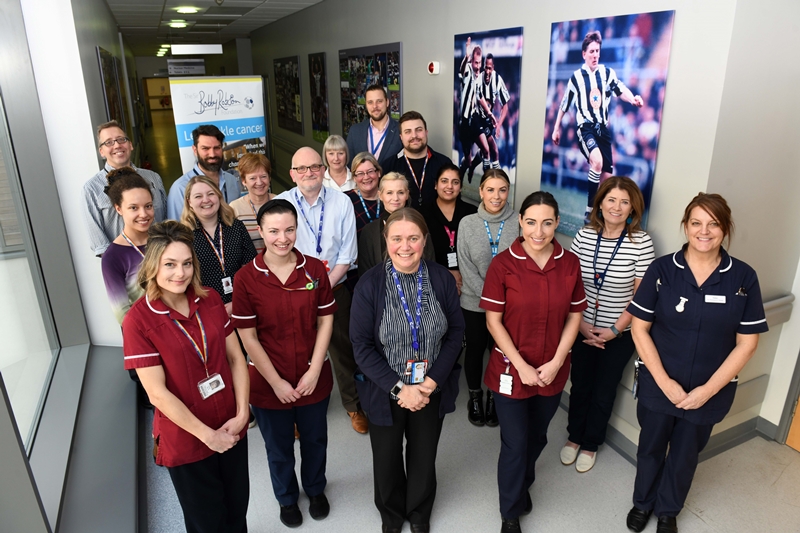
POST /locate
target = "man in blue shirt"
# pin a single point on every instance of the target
(207, 148)
(326, 229)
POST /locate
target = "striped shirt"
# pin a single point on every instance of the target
(395, 331)
(591, 92)
(469, 90)
(493, 90)
(246, 212)
(630, 263)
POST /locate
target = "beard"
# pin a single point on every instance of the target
(380, 117)
(211, 166)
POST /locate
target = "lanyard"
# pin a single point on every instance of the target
(310, 286)
(415, 321)
(321, 216)
(219, 252)
(131, 243)
(452, 236)
(495, 245)
(373, 148)
(364, 205)
(253, 207)
(414, 174)
(203, 355)
(599, 278)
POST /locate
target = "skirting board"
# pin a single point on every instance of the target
(730, 438)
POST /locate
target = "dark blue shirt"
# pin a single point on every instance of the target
(694, 328)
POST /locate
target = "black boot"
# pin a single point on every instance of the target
(475, 408)
(491, 414)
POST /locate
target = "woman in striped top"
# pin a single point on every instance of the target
(614, 254)
(406, 327)
(254, 171)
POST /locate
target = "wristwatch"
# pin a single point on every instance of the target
(396, 390)
(617, 333)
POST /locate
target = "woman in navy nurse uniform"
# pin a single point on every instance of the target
(696, 320)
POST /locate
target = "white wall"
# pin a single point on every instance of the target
(71, 106)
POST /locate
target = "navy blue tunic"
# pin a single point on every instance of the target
(694, 328)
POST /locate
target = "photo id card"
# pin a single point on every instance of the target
(418, 369)
(506, 381)
(452, 260)
(227, 285)
(210, 386)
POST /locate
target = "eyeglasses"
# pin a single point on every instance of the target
(111, 142)
(303, 169)
(362, 173)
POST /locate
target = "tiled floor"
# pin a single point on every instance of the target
(161, 147)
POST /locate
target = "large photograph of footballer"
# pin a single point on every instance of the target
(605, 95)
(486, 93)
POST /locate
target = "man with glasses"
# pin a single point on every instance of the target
(207, 148)
(102, 219)
(379, 134)
(326, 229)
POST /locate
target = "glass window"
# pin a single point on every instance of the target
(29, 346)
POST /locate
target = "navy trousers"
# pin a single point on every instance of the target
(596, 373)
(663, 479)
(214, 492)
(277, 428)
(523, 436)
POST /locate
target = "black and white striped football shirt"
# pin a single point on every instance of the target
(591, 92)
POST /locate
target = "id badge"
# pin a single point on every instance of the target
(409, 367)
(506, 382)
(227, 285)
(418, 369)
(452, 260)
(210, 386)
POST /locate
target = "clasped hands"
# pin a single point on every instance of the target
(539, 377)
(694, 399)
(596, 337)
(288, 394)
(415, 397)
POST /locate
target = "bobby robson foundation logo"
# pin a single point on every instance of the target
(218, 102)
(249, 103)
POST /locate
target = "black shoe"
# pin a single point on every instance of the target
(475, 408)
(420, 528)
(528, 504)
(390, 529)
(510, 525)
(319, 507)
(491, 414)
(637, 519)
(667, 524)
(291, 515)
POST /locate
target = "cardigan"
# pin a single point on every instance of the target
(375, 378)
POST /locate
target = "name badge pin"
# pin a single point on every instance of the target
(679, 308)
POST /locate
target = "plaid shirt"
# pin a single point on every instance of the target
(363, 217)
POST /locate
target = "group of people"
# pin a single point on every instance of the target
(367, 271)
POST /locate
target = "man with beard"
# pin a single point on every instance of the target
(207, 148)
(103, 221)
(379, 134)
(417, 161)
(326, 229)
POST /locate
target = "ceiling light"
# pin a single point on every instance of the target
(187, 10)
(165, 45)
(177, 24)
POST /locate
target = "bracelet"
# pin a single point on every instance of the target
(615, 331)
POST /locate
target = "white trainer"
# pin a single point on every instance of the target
(585, 462)
(568, 455)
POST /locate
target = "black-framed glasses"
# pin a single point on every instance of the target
(303, 169)
(362, 173)
(111, 142)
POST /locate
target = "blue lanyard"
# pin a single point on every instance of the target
(599, 278)
(414, 321)
(375, 147)
(495, 245)
(203, 355)
(321, 216)
(364, 205)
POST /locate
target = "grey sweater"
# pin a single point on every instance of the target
(475, 253)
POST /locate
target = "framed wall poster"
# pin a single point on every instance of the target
(370, 65)
(486, 98)
(612, 103)
(287, 94)
(111, 87)
(320, 128)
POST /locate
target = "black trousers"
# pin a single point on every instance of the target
(406, 489)
(595, 376)
(477, 336)
(215, 491)
(341, 350)
(663, 479)
(523, 436)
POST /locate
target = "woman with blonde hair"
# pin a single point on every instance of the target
(221, 241)
(181, 343)
(335, 156)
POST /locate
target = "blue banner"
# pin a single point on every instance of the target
(234, 130)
